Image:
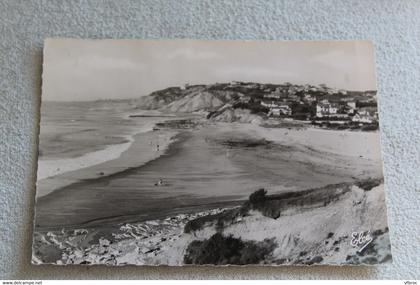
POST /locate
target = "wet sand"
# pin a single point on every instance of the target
(198, 169)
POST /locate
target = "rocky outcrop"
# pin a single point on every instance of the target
(190, 99)
(129, 243)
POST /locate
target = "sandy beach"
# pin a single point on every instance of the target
(199, 166)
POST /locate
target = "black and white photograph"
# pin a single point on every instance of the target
(209, 152)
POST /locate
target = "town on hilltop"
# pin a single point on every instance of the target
(317, 105)
(321, 105)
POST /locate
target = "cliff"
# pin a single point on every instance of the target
(314, 226)
(244, 101)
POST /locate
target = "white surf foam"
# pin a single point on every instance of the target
(52, 167)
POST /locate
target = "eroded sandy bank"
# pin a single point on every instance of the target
(305, 234)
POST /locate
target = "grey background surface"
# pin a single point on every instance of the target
(394, 27)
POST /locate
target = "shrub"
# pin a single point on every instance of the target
(221, 250)
(368, 184)
(258, 196)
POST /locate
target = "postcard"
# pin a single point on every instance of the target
(202, 152)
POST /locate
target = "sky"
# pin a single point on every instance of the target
(84, 70)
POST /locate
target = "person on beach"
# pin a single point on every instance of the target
(159, 183)
(157, 147)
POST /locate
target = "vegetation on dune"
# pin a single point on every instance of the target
(258, 196)
(273, 205)
(223, 250)
(254, 106)
(368, 184)
(229, 216)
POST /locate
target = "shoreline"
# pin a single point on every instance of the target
(48, 168)
(139, 186)
(119, 159)
(52, 167)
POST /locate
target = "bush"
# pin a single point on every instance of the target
(221, 250)
(258, 196)
(369, 184)
(254, 107)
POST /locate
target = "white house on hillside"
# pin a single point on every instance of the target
(360, 118)
(309, 98)
(364, 116)
(245, 99)
(273, 95)
(351, 104)
(280, 110)
(269, 104)
(326, 109)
